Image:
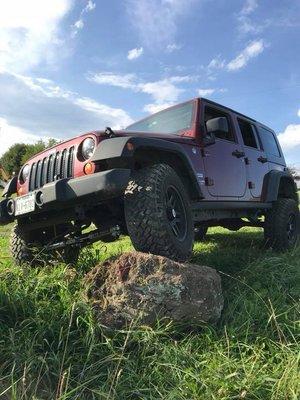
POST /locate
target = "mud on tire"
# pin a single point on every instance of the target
(158, 213)
(282, 225)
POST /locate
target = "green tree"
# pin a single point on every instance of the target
(18, 154)
(12, 159)
(33, 149)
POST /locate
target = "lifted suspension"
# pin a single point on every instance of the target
(85, 239)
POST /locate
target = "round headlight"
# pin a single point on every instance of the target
(88, 148)
(25, 173)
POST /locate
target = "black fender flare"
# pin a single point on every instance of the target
(272, 182)
(126, 146)
(11, 187)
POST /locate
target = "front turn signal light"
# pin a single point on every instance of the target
(88, 168)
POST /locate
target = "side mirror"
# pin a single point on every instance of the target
(216, 125)
(209, 139)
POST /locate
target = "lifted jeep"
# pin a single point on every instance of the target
(163, 181)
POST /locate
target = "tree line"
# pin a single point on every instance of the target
(18, 154)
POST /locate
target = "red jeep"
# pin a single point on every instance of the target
(163, 181)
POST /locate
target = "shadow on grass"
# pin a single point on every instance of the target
(230, 252)
(52, 347)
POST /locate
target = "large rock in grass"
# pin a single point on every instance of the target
(140, 288)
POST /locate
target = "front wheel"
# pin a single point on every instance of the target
(158, 213)
(20, 248)
(282, 225)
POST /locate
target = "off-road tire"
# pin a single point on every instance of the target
(200, 233)
(278, 220)
(19, 246)
(146, 213)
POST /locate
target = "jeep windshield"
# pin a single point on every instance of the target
(172, 120)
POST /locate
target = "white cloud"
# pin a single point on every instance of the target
(290, 142)
(90, 6)
(206, 92)
(216, 63)
(164, 91)
(79, 24)
(10, 135)
(127, 81)
(135, 53)
(157, 21)
(35, 108)
(210, 91)
(249, 7)
(173, 47)
(154, 108)
(253, 49)
(290, 138)
(246, 25)
(29, 32)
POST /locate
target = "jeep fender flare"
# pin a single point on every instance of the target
(11, 187)
(126, 147)
(271, 186)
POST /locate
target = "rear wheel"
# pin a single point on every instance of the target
(282, 224)
(158, 213)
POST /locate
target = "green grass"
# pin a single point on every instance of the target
(52, 348)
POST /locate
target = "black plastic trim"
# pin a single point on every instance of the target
(11, 187)
(106, 184)
(271, 185)
(66, 193)
(230, 205)
(118, 148)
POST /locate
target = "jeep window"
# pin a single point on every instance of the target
(247, 131)
(268, 141)
(211, 113)
(172, 120)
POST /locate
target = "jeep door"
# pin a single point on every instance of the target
(256, 160)
(271, 147)
(225, 172)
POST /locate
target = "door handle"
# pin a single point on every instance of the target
(262, 159)
(238, 154)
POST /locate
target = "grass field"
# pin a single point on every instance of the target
(51, 347)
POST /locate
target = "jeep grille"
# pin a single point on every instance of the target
(57, 166)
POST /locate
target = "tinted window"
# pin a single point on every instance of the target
(247, 131)
(268, 141)
(168, 121)
(211, 113)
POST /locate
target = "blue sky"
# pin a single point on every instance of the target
(69, 66)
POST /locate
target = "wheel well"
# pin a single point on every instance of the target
(286, 189)
(146, 157)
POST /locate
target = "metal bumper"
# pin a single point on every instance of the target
(67, 192)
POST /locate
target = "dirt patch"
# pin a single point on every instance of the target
(143, 287)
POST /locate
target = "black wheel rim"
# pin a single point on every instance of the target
(291, 228)
(176, 213)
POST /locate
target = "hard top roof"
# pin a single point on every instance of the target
(234, 111)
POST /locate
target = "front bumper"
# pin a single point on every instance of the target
(65, 193)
